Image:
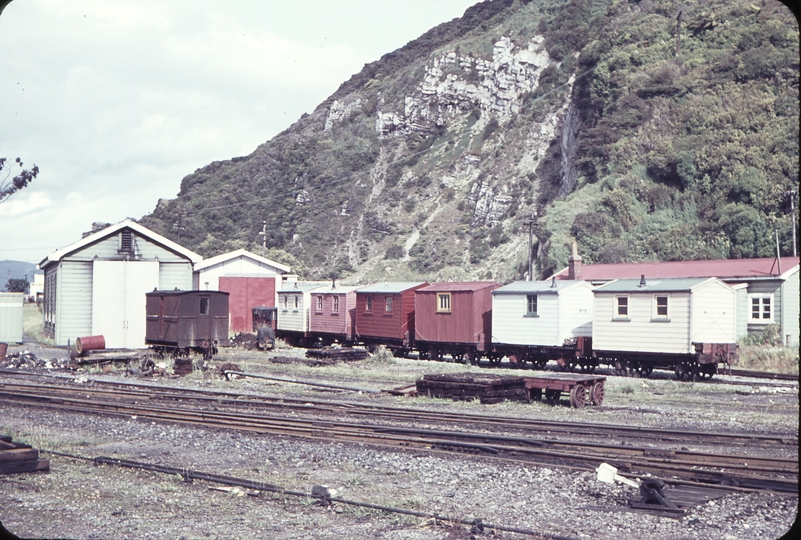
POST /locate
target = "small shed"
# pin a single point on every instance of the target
(97, 285)
(385, 312)
(187, 319)
(541, 312)
(11, 317)
(663, 315)
(333, 311)
(455, 312)
(251, 280)
(293, 309)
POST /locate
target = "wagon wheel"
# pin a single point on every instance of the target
(494, 359)
(707, 371)
(684, 371)
(552, 396)
(578, 396)
(458, 357)
(568, 365)
(644, 371)
(587, 368)
(621, 369)
(536, 394)
(540, 363)
(473, 357)
(597, 394)
(372, 348)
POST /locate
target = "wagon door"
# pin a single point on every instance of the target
(204, 320)
(118, 300)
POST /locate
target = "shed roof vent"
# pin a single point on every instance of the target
(642, 280)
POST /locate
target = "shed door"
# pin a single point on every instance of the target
(118, 300)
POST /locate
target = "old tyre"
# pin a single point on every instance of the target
(597, 394)
(578, 396)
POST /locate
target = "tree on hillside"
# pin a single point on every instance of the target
(17, 285)
(9, 187)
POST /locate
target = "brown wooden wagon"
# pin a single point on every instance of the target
(581, 388)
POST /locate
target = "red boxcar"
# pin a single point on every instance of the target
(331, 314)
(454, 318)
(385, 314)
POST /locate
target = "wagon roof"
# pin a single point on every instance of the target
(539, 287)
(178, 292)
(339, 289)
(459, 286)
(653, 285)
(390, 287)
(302, 287)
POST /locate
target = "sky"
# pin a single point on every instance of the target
(117, 100)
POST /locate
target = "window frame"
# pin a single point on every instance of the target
(761, 298)
(388, 305)
(296, 302)
(656, 307)
(442, 299)
(617, 315)
(536, 303)
(319, 303)
(368, 303)
(335, 303)
(205, 305)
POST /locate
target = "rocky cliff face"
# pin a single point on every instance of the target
(431, 162)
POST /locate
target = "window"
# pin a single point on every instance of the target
(660, 307)
(368, 302)
(388, 304)
(622, 307)
(319, 303)
(204, 305)
(531, 304)
(444, 302)
(296, 301)
(761, 307)
(286, 302)
(335, 307)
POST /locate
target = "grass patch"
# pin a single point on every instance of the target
(773, 359)
(33, 324)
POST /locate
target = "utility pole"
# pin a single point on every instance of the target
(792, 193)
(263, 235)
(530, 220)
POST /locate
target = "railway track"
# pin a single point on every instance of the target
(621, 432)
(203, 408)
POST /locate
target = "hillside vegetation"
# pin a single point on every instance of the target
(431, 162)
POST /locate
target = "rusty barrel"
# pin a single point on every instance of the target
(89, 343)
(3, 350)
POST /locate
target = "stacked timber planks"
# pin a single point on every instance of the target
(20, 457)
(469, 386)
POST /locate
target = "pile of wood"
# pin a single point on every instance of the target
(312, 362)
(183, 365)
(338, 355)
(20, 457)
(469, 386)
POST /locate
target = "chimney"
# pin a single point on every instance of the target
(574, 264)
(642, 280)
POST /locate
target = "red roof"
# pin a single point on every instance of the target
(723, 269)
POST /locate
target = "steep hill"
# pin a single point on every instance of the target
(589, 115)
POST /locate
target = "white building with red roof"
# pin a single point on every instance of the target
(768, 287)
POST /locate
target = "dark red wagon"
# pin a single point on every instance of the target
(183, 321)
(454, 318)
(385, 315)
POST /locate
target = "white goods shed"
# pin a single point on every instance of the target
(251, 281)
(663, 315)
(541, 312)
(97, 285)
(11, 317)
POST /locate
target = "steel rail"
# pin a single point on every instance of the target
(406, 414)
(423, 439)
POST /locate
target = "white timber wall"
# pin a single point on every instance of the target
(291, 318)
(511, 324)
(575, 312)
(74, 301)
(639, 333)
